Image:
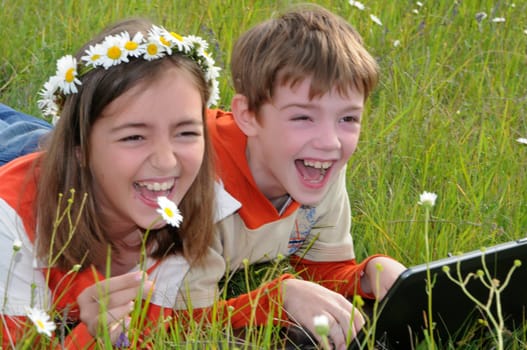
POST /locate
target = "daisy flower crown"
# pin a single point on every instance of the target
(120, 48)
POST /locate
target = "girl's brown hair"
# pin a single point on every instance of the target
(64, 166)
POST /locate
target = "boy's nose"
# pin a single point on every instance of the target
(327, 137)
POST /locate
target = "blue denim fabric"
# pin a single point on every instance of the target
(19, 133)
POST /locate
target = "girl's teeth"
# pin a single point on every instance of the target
(156, 186)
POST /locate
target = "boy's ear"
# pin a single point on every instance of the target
(245, 118)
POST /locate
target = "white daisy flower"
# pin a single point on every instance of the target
(41, 320)
(93, 55)
(419, 3)
(196, 43)
(48, 94)
(179, 41)
(132, 47)
(153, 49)
(525, 32)
(498, 19)
(415, 11)
(522, 140)
(169, 211)
(321, 325)
(17, 245)
(375, 19)
(114, 52)
(427, 199)
(357, 4)
(214, 93)
(396, 43)
(67, 74)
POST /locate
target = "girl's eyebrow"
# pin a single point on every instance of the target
(136, 125)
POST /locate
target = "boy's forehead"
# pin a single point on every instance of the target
(315, 87)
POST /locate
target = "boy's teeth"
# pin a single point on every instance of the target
(317, 164)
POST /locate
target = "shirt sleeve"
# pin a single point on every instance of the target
(261, 306)
(21, 284)
(341, 276)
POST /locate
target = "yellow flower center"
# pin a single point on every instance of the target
(169, 212)
(131, 45)
(151, 49)
(40, 324)
(164, 41)
(70, 75)
(177, 36)
(114, 52)
(95, 57)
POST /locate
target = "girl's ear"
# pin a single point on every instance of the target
(245, 118)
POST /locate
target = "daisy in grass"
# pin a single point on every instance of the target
(41, 320)
(427, 199)
(522, 140)
(375, 19)
(67, 74)
(357, 4)
(169, 211)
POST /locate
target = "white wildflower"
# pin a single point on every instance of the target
(357, 4)
(427, 199)
(169, 211)
(41, 320)
(375, 19)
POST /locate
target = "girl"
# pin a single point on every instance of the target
(130, 131)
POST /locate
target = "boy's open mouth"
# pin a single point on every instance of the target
(151, 190)
(313, 171)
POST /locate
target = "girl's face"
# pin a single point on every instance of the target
(149, 142)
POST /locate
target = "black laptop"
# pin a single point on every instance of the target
(402, 319)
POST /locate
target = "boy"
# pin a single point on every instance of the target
(301, 81)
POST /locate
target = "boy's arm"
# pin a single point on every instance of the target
(261, 306)
(341, 276)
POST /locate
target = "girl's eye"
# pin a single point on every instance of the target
(301, 117)
(132, 138)
(189, 133)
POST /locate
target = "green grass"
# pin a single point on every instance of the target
(451, 102)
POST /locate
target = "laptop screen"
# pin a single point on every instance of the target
(402, 315)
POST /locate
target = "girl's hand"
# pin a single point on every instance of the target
(304, 300)
(109, 303)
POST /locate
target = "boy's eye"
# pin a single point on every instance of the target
(351, 119)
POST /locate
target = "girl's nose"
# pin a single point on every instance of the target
(163, 156)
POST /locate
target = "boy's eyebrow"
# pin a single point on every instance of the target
(354, 107)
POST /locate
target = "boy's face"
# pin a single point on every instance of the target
(300, 145)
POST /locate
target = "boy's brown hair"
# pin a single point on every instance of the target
(307, 41)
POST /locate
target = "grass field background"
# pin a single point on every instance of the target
(446, 117)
